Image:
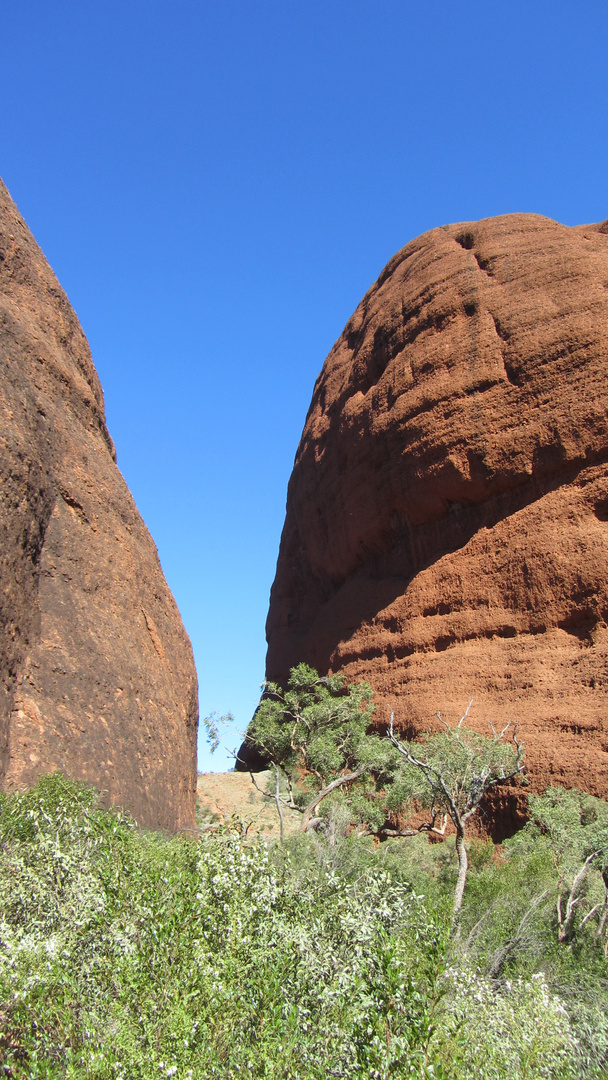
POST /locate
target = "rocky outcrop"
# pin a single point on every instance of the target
(98, 678)
(446, 532)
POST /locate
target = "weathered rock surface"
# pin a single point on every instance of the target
(98, 678)
(446, 532)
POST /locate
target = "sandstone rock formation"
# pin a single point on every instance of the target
(98, 678)
(446, 532)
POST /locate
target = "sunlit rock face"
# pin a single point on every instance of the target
(446, 534)
(98, 678)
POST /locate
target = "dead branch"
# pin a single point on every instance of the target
(464, 715)
(493, 970)
(269, 795)
(478, 924)
(564, 922)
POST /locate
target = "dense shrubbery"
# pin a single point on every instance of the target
(128, 955)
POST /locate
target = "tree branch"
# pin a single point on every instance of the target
(277, 799)
(565, 926)
(341, 780)
(465, 715)
(269, 795)
(590, 914)
(503, 954)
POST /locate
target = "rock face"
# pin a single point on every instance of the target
(98, 678)
(446, 533)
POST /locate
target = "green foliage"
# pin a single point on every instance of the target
(455, 767)
(572, 828)
(212, 724)
(316, 732)
(521, 1031)
(316, 726)
(130, 955)
(574, 825)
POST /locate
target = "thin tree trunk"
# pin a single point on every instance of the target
(603, 930)
(566, 923)
(277, 794)
(463, 865)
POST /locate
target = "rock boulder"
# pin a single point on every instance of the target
(446, 534)
(97, 674)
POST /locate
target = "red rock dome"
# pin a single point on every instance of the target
(97, 675)
(446, 534)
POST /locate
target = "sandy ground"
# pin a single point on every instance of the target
(231, 795)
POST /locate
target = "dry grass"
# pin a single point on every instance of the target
(232, 796)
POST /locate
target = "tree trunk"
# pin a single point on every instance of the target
(277, 799)
(566, 924)
(463, 865)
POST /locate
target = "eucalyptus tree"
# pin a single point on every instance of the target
(316, 733)
(448, 773)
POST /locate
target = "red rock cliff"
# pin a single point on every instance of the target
(446, 532)
(98, 678)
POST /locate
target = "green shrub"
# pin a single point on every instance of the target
(131, 956)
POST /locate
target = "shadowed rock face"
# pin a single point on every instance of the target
(98, 678)
(446, 532)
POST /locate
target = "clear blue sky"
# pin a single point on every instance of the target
(216, 184)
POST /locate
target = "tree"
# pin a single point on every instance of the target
(575, 827)
(448, 774)
(316, 733)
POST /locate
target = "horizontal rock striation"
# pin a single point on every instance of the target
(97, 674)
(446, 534)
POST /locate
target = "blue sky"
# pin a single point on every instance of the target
(216, 185)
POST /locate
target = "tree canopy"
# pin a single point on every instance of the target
(448, 773)
(317, 732)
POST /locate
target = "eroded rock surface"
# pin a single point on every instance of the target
(446, 532)
(98, 678)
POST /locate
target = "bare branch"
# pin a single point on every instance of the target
(575, 897)
(430, 827)
(497, 738)
(398, 832)
(277, 799)
(478, 924)
(442, 721)
(464, 715)
(494, 970)
(590, 914)
(269, 795)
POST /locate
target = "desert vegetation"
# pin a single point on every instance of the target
(126, 954)
(317, 736)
